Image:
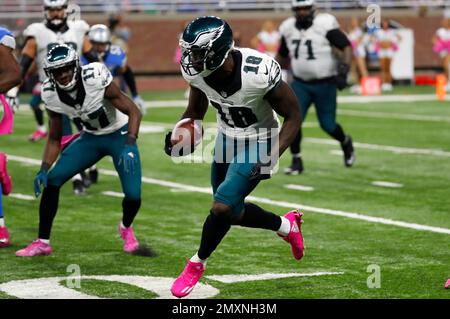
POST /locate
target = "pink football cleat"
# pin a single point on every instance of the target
(36, 248)
(5, 179)
(447, 284)
(37, 135)
(295, 238)
(184, 284)
(5, 241)
(130, 242)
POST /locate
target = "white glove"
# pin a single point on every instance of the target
(12, 98)
(140, 103)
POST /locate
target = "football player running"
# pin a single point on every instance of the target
(114, 58)
(110, 127)
(9, 77)
(246, 89)
(40, 38)
(320, 55)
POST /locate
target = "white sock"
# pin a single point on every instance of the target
(122, 226)
(2, 222)
(42, 128)
(45, 241)
(298, 155)
(93, 168)
(285, 227)
(77, 177)
(196, 259)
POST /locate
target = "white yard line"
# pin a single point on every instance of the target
(377, 147)
(22, 196)
(229, 279)
(288, 205)
(394, 116)
(113, 194)
(299, 187)
(387, 184)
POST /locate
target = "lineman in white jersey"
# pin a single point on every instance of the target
(246, 89)
(89, 96)
(40, 38)
(320, 55)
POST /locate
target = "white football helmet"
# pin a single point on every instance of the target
(55, 4)
(62, 56)
(100, 33)
(302, 3)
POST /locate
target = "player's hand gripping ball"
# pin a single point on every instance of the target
(185, 137)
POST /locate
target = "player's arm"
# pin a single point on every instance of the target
(283, 101)
(124, 104)
(128, 76)
(88, 50)
(53, 146)
(282, 56)
(9, 69)
(344, 53)
(29, 53)
(197, 105)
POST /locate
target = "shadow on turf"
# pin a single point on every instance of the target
(144, 251)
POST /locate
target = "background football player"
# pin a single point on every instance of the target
(40, 38)
(110, 127)
(115, 59)
(320, 56)
(9, 77)
(246, 89)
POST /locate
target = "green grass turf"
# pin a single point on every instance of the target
(414, 264)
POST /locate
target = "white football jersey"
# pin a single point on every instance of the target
(242, 111)
(46, 39)
(87, 104)
(310, 51)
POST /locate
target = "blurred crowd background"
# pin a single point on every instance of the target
(410, 46)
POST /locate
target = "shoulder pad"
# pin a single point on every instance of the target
(7, 38)
(79, 25)
(326, 21)
(287, 25)
(33, 30)
(96, 74)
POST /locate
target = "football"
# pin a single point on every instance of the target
(187, 132)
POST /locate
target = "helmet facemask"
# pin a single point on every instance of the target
(53, 74)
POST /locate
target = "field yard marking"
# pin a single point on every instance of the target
(341, 99)
(113, 194)
(22, 196)
(207, 190)
(396, 116)
(377, 147)
(149, 128)
(299, 187)
(229, 279)
(387, 184)
(50, 288)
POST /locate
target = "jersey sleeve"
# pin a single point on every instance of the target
(7, 38)
(269, 75)
(49, 97)
(97, 75)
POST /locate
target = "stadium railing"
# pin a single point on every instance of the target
(33, 8)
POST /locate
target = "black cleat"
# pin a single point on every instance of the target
(349, 153)
(86, 180)
(79, 188)
(93, 175)
(296, 167)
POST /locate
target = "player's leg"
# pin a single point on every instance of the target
(41, 131)
(131, 186)
(325, 100)
(229, 209)
(5, 189)
(303, 93)
(79, 155)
